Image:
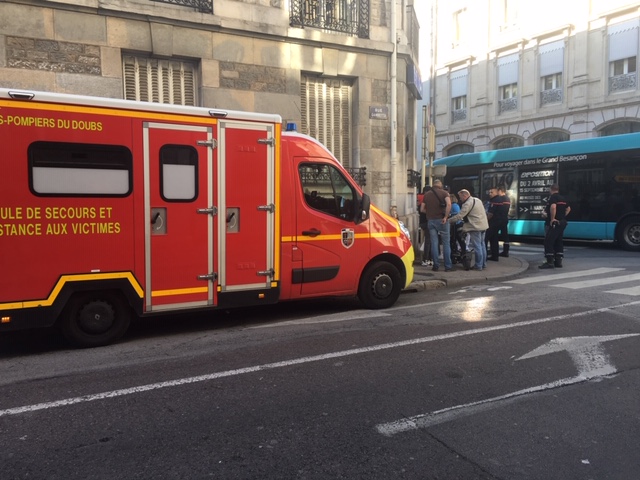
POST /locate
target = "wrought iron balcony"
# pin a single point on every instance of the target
(358, 174)
(508, 105)
(345, 16)
(414, 178)
(551, 96)
(459, 115)
(619, 83)
(202, 6)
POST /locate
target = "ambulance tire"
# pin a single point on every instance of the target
(95, 319)
(380, 285)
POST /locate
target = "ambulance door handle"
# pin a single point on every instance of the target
(314, 232)
(208, 211)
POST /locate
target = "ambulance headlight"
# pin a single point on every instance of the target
(404, 230)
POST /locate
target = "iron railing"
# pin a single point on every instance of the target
(414, 179)
(202, 6)
(345, 16)
(358, 174)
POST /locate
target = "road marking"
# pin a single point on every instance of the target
(296, 361)
(599, 281)
(586, 352)
(552, 277)
(329, 318)
(634, 291)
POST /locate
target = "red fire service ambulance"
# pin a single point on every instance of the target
(110, 208)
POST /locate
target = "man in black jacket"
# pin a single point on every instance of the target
(555, 214)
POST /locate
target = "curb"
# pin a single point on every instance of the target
(517, 266)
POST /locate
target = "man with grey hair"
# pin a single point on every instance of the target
(473, 214)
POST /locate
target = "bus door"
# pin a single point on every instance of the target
(246, 206)
(178, 180)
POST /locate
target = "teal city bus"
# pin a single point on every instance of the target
(600, 177)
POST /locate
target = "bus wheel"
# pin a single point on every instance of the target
(95, 320)
(629, 234)
(380, 285)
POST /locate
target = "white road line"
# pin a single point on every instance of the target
(599, 281)
(296, 361)
(633, 291)
(447, 414)
(329, 318)
(552, 277)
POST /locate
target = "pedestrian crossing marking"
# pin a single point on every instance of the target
(599, 281)
(634, 291)
(552, 277)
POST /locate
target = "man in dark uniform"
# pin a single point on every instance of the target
(504, 234)
(498, 216)
(555, 214)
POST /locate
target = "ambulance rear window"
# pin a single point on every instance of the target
(79, 169)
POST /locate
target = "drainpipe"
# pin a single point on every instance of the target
(394, 110)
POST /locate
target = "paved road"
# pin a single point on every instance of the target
(532, 376)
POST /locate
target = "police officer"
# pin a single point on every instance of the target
(555, 214)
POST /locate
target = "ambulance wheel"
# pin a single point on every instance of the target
(94, 320)
(380, 285)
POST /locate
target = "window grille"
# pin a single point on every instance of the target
(159, 81)
(202, 6)
(345, 16)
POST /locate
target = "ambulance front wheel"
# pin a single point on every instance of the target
(93, 320)
(380, 285)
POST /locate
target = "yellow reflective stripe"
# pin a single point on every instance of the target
(179, 291)
(337, 236)
(74, 278)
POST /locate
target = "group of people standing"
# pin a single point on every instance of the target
(485, 224)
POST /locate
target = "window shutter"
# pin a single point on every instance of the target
(159, 81)
(508, 70)
(551, 58)
(326, 114)
(459, 83)
(623, 40)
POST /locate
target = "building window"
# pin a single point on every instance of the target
(459, 27)
(509, 14)
(460, 148)
(508, 142)
(345, 16)
(325, 106)
(459, 109)
(509, 91)
(551, 68)
(202, 6)
(620, 128)
(508, 83)
(551, 137)
(623, 52)
(459, 80)
(159, 81)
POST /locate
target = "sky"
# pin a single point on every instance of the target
(422, 11)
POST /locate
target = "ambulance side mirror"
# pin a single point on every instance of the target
(362, 213)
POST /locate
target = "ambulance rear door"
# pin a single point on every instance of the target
(179, 216)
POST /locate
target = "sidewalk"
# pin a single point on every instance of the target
(425, 279)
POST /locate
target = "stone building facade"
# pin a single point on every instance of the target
(323, 64)
(512, 73)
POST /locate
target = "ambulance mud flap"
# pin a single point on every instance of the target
(380, 285)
